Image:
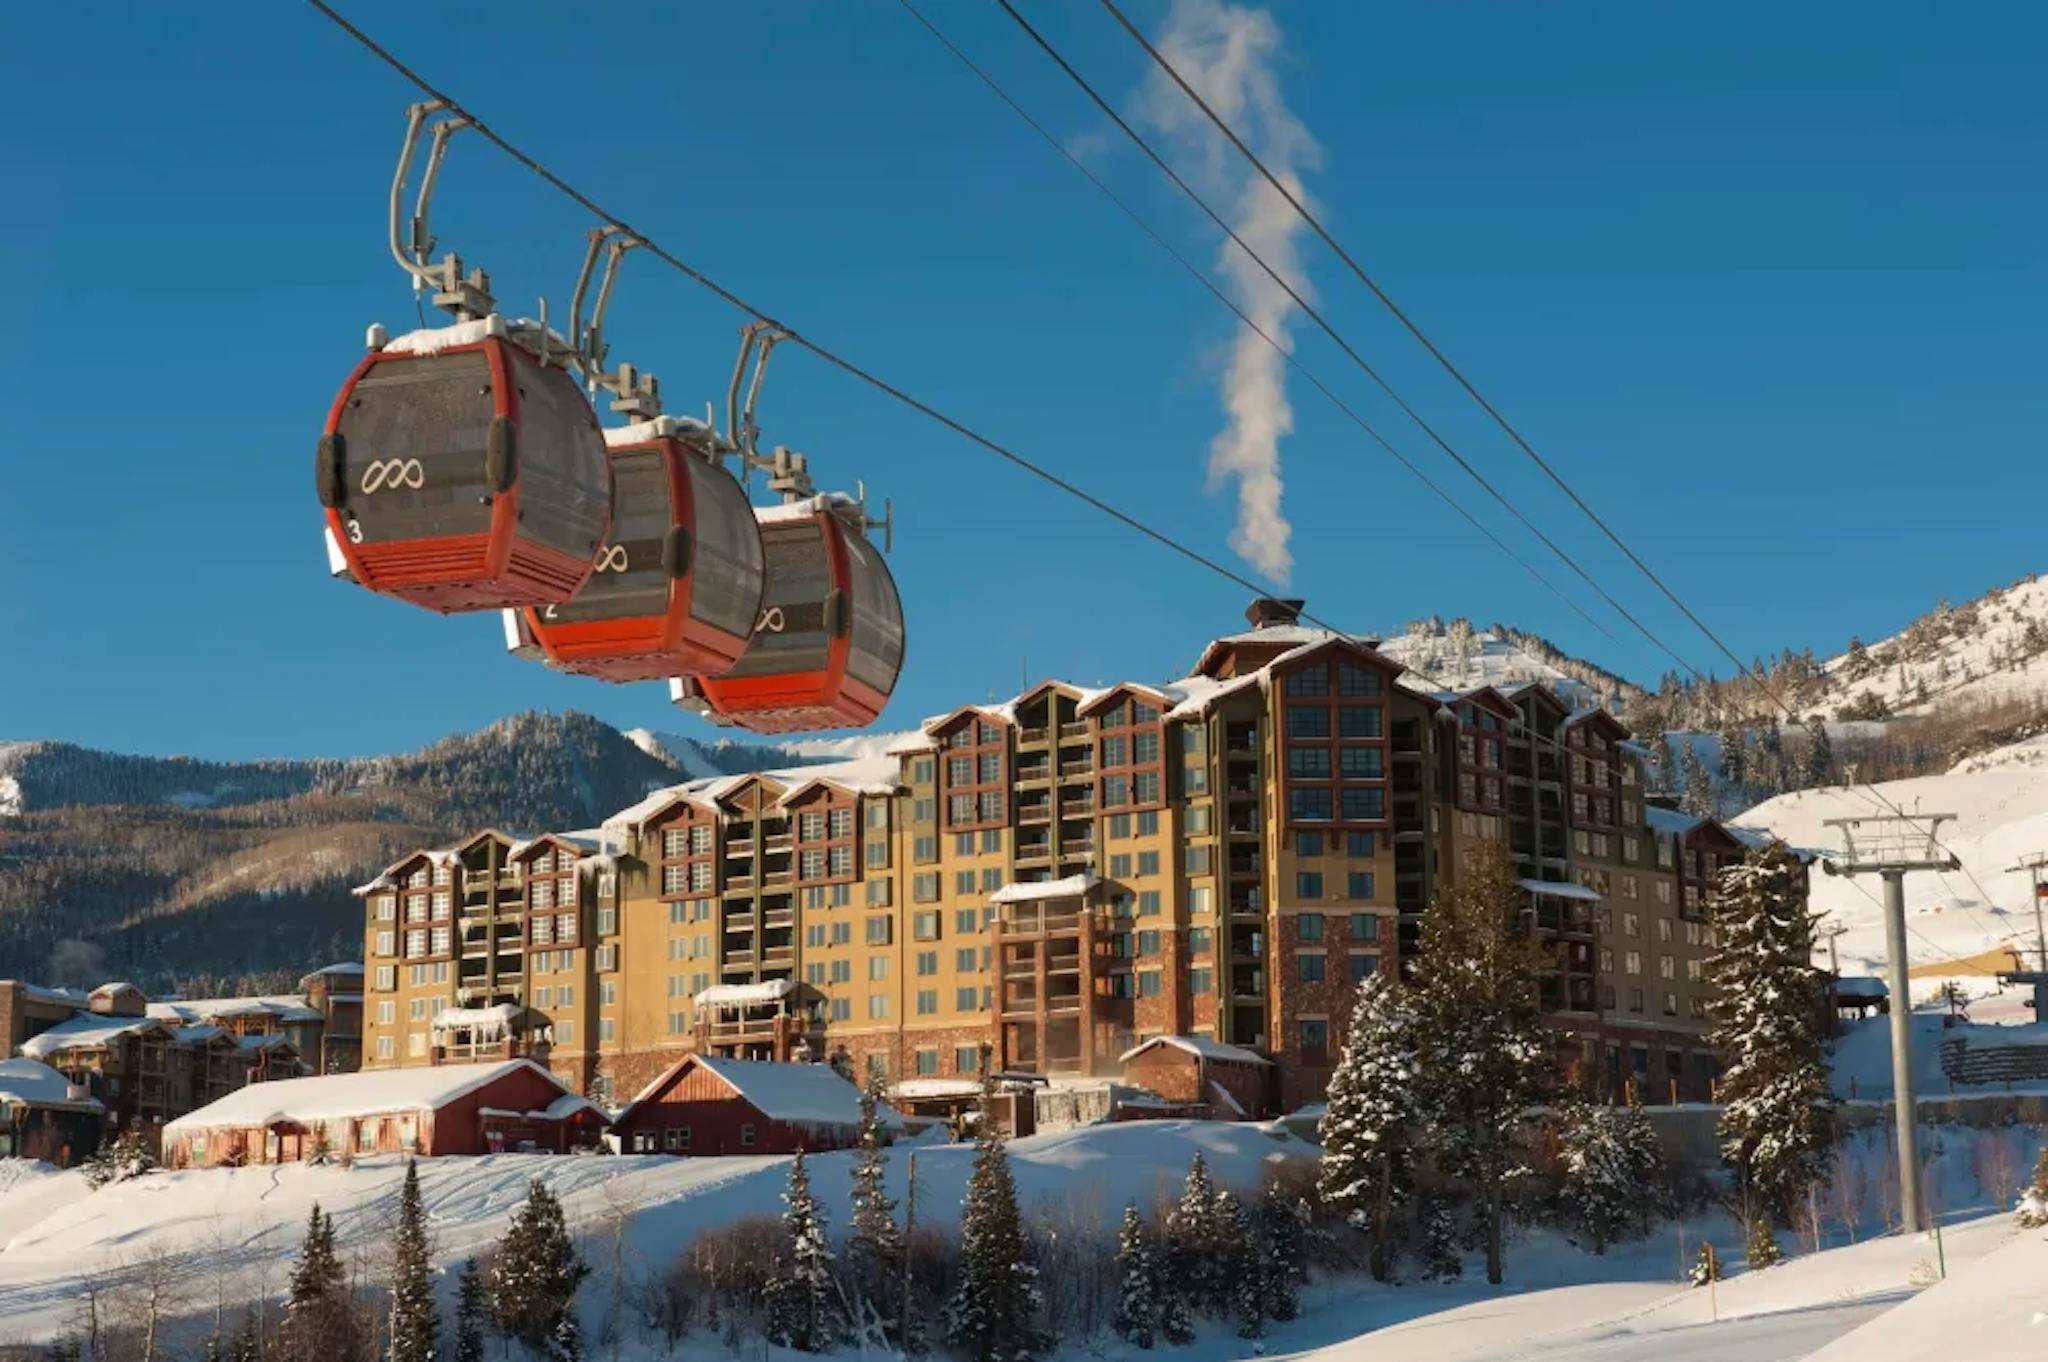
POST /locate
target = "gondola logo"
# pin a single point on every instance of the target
(771, 621)
(393, 473)
(613, 559)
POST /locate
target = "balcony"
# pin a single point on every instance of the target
(1028, 852)
(1079, 767)
(1078, 806)
(1031, 737)
(781, 842)
(739, 880)
(1033, 814)
(1033, 772)
(1036, 919)
(1248, 983)
(739, 848)
(1076, 846)
(1074, 730)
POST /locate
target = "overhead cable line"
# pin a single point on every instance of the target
(1315, 224)
(1195, 272)
(792, 334)
(1309, 310)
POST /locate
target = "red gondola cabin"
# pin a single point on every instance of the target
(678, 587)
(459, 472)
(829, 642)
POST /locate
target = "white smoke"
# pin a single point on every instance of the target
(1227, 53)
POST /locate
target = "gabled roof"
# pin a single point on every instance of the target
(86, 1029)
(865, 775)
(1165, 698)
(1492, 698)
(1598, 718)
(1518, 689)
(1203, 1046)
(29, 1082)
(333, 1097)
(188, 1011)
(811, 1095)
(1005, 714)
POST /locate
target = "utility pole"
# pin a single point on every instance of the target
(2037, 868)
(1888, 846)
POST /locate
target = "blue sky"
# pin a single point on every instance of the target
(1764, 281)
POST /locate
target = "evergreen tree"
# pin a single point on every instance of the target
(802, 1316)
(2032, 1211)
(1362, 1172)
(471, 1313)
(1774, 1118)
(1734, 751)
(1820, 757)
(1240, 1250)
(414, 1327)
(1279, 1249)
(994, 1314)
(1610, 1159)
(1441, 1259)
(1698, 797)
(1137, 1301)
(1761, 1248)
(1771, 757)
(874, 1250)
(536, 1274)
(1670, 770)
(1483, 1053)
(120, 1157)
(316, 1291)
(1192, 1244)
(1706, 1267)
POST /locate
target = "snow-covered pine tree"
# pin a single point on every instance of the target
(804, 1317)
(1770, 757)
(1442, 1260)
(1137, 1300)
(1706, 1267)
(1698, 796)
(1820, 757)
(994, 1313)
(1279, 1235)
(1483, 1055)
(414, 1326)
(1365, 1129)
(1734, 751)
(2032, 1211)
(1610, 1159)
(472, 1313)
(536, 1274)
(874, 1248)
(1761, 1248)
(1191, 1244)
(1240, 1271)
(119, 1158)
(1774, 1090)
(319, 1315)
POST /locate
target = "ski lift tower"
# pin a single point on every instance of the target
(1889, 845)
(2037, 868)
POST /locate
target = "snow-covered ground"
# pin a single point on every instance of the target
(238, 1230)
(1972, 663)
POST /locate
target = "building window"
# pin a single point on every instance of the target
(1201, 981)
(1364, 806)
(1309, 926)
(1148, 983)
(1308, 843)
(1359, 721)
(1363, 967)
(1308, 969)
(1308, 721)
(1355, 763)
(1148, 943)
(1309, 805)
(927, 1060)
(1365, 927)
(966, 999)
(927, 1004)
(1308, 885)
(878, 1007)
(966, 1059)
(1360, 884)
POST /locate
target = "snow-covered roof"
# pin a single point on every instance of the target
(1861, 986)
(798, 1094)
(745, 995)
(86, 1028)
(911, 1088)
(561, 1109)
(113, 987)
(32, 1083)
(1204, 1046)
(344, 967)
(334, 1097)
(188, 1011)
(39, 993)
(641, 432)
(801, 510)
(434, 339)
(1561, 889)
(1031, 892)
(1674, 821)
(861, 775)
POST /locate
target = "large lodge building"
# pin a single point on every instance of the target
(1063, 877)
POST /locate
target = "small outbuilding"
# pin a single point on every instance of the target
(707, 1104)
(44, 1115)
(1233, 1083)
(512, 1105)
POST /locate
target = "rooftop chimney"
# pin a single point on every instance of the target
(1269, 611)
